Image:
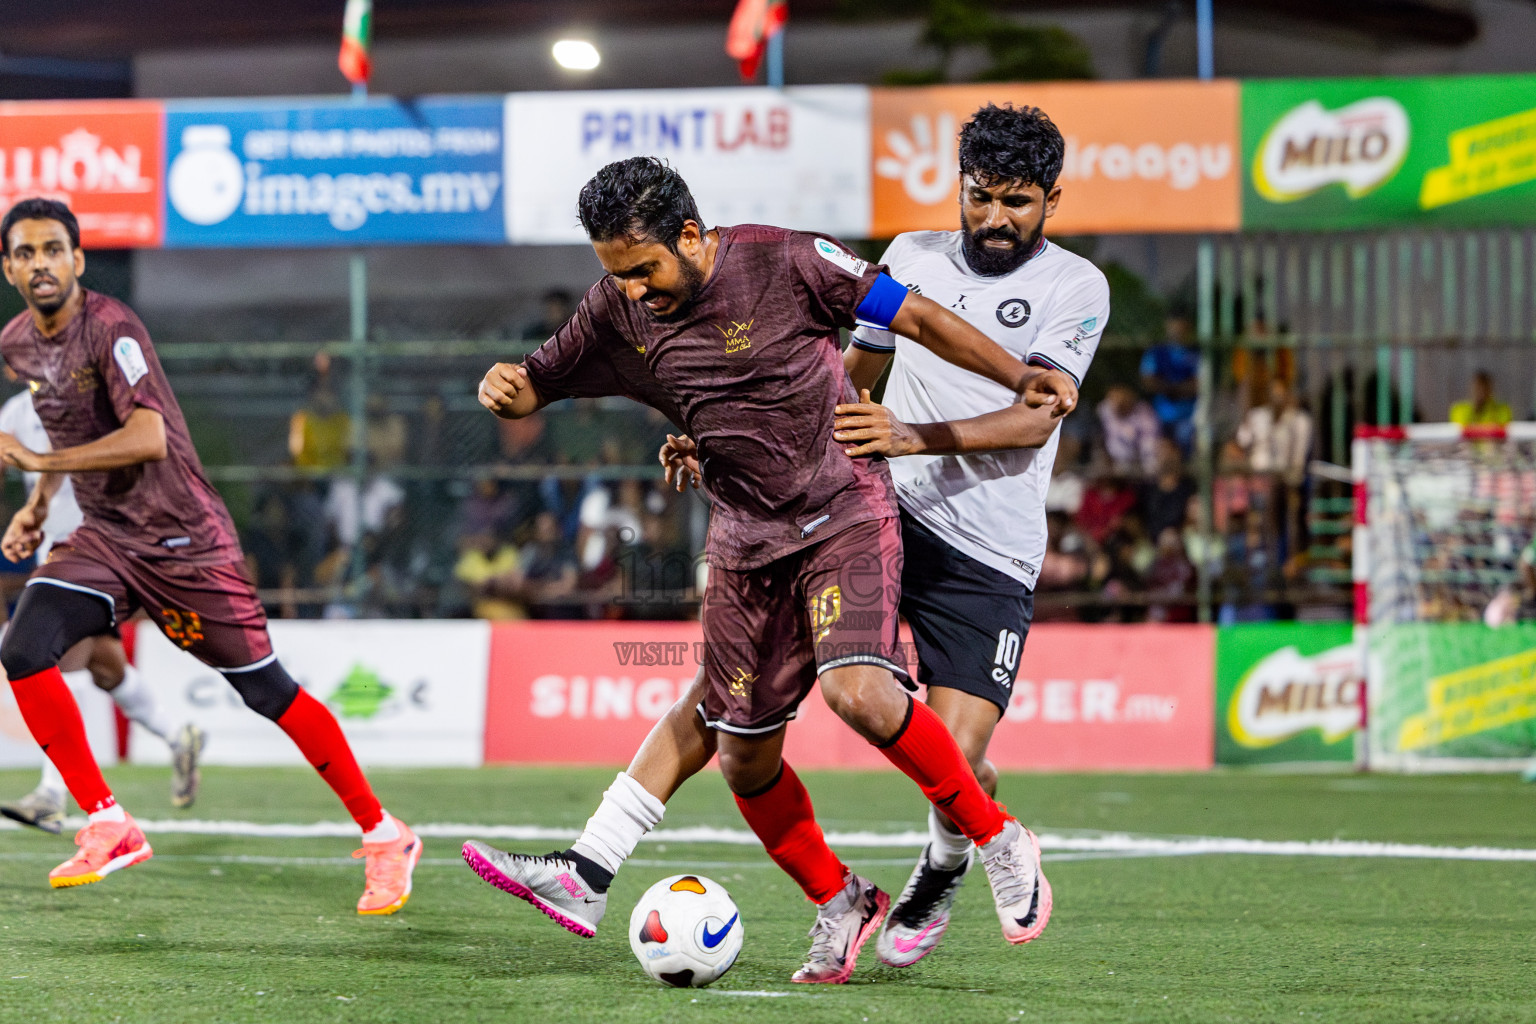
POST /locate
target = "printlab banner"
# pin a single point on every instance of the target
(1088, 697)
(1287, 692)
(1140, 156)
(295, 173)
(1365, 152)
(405, 693)
(792, 157)
(100, 157)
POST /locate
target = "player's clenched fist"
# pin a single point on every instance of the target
(506, 392)
(1050, 387)
(24, 534)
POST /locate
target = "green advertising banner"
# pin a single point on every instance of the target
(1365, 152)
(1286, 691)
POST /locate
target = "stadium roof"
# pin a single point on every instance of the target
(107, 29)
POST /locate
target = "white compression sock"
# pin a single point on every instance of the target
(113, 813)
(137, 703)
(626, 813)
(946, 847)
(52, 781)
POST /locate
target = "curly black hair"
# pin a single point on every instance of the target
(641, 199)
(1002, 144)
(38, 209)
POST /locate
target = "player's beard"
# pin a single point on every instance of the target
(689, 287)
(996, 262)
(50, 306)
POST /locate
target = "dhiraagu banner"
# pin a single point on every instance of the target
(1364, 152)
(1286, 691)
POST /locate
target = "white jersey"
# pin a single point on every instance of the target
(1050, 312)
(19, 419)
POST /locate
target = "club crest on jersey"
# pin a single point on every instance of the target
(840, 258)
(1013, 312)
(85, 378)
(736, 338)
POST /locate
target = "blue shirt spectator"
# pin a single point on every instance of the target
(1170, 374)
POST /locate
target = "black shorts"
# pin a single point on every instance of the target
(968, 619)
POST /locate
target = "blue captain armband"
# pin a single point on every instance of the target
(880, 304)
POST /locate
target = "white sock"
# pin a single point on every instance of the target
(113, 813)
(134, 699)
(626, 813)
(386, 831)
(52, 781)
(946, 847)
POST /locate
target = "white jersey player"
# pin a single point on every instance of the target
(972, 485)
(99, 659)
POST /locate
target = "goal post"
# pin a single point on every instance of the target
(1442, 513)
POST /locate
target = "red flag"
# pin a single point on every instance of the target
(356, 35)
(754, 22)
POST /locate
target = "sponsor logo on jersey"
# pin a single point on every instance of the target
(1013, 312)
(736, 337)
(741, 684)
(130, 359)
(840, 258)
(86, 378)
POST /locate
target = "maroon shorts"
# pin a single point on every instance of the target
(209, 611)
(770, 632)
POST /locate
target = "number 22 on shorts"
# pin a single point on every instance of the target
(182, 627)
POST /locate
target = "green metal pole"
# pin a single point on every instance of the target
(358, 354)
(1205, 330)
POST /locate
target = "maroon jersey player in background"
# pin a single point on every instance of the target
(156, 536)
(733, 334)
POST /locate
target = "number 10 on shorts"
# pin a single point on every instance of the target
(1006, 662)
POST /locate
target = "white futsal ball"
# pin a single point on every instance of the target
(685, 931)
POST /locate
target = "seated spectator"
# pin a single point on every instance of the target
(1066, 491)
(488, 509)
(1130, 431)
(1105, 505)
(1171, 576)
(353, 518)
(387, 433)
(1165, 497)
(1170, 373)
(492, 572)
(549, 567)
(556, 306)
(1482, 409)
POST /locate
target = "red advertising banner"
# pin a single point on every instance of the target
(1088, 697)
(101, 157)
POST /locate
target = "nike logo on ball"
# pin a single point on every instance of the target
(713, 939)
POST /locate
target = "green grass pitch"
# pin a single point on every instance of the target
(232, 929)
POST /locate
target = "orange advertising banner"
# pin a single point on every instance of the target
(101, 157)
(1141, 157)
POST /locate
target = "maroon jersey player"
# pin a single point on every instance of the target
(733, 333)
(155, 536)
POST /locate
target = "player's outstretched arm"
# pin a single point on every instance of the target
(507, 392)
(141, 439)
(864, 367)
(867, 428)
(955, 341)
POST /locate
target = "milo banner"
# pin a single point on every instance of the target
(1364, 152)
(1286, 691)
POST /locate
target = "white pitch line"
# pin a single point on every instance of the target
(1110, 843)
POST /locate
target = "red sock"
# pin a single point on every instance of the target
(313, 728)
(53, 716)
(784, 820)
(927, 753)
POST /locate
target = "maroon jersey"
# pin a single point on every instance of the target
(752, 372)
(86, 380)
